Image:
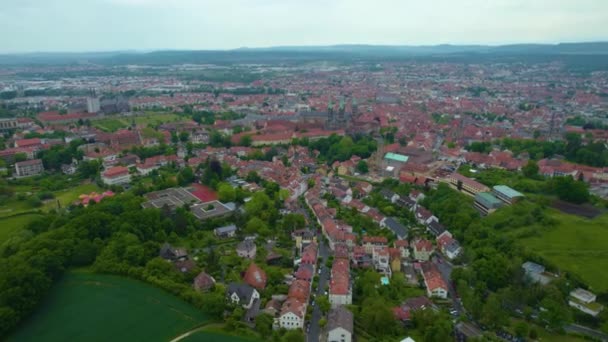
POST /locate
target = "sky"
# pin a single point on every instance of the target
(110, 25)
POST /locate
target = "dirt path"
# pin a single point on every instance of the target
(188, 333)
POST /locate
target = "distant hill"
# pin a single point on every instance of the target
(582, 52)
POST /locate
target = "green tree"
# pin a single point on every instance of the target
(263, 324)
(183, 136)
(530, 170)
(245, 140)
(324, 304)
(226, 193)
(185, 176)
(362, 166)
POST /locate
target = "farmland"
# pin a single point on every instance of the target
(92, 307)
(576, 245)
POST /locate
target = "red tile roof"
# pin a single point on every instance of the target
(116, 171)
(255, 276)
(203, 193)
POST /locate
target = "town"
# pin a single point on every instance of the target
(384, 201)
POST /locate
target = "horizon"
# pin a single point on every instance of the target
(143, 51)
(118, 25)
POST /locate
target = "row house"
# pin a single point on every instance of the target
(340, 291)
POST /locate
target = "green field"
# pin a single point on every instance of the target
(111, 125)
(66, 197)
(215, 335)
(150, 118)
(576, 245)
(93, 307)
(11, 225)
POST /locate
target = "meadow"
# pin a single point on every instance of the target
(84, 306)
(11, 225)
(150, 118)
(576, 245)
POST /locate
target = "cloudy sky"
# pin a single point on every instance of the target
(99, 25)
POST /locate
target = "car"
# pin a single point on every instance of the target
(326, 293)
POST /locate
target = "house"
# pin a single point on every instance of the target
(394, 225)
(255, 276)
(536, 273)
(226, 231)
(584, 301)
(403, 247)
(448, 245)
(434, 283)
(389, 195)
(395, 258)
(435, 228)
(506, 194)
(28, 168)
(371, 242)
(117, 175)
(299, 289)
(424, 216)
(340, 292)
(203, 282)
(246, 249)
(465, 184)
(381, 259)
(273, 307)
(169, 253)
(339, 325)
(423, 250)
(292, 314)
(486, 203)
(242, 294)
(185, 266)
(305, 272)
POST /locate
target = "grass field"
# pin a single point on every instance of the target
(111, 125)
(151, 118)
(93, 307)
(66, 197)
(11, 225)
(576, 245)
(215, 334)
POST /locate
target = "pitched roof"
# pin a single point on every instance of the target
(255, 276)
(340, 317)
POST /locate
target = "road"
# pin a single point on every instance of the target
(314, 330)
(579, 329)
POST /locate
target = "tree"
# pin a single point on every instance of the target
(226, 193)
(530, 170)
(293, 222)
(263, 324)
(257, 226)
(377, 317)
(362, 166)
(245, 140)
(293, 336)
(570, 190)
(183, 136)
(185, 176)
(324, 304)
(555, 313)
(522, 329)
(322, 322)
(493, 314)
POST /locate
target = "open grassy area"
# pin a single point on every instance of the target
(92, 307)
(11, 225)
(214, 333)
(67, 196)
(576, 245)
(111, 125)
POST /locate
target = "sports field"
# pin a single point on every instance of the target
(94, 307)
(576, 245)
(68, 196)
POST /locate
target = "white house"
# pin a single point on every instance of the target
(116, 175)
(292, 314)
(339, 325)
(242, 294)
(585, 302)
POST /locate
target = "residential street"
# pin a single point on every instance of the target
(445, 268)
(314, 329)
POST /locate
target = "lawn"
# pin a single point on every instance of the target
(215, 334)
(576, 245)
(156, 118)
(66, 197)
(111, 125)
(10, 225)
(92, 307)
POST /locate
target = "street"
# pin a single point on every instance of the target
(314, 330)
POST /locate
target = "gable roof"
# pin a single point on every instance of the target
(340, 317)
(255, 276)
